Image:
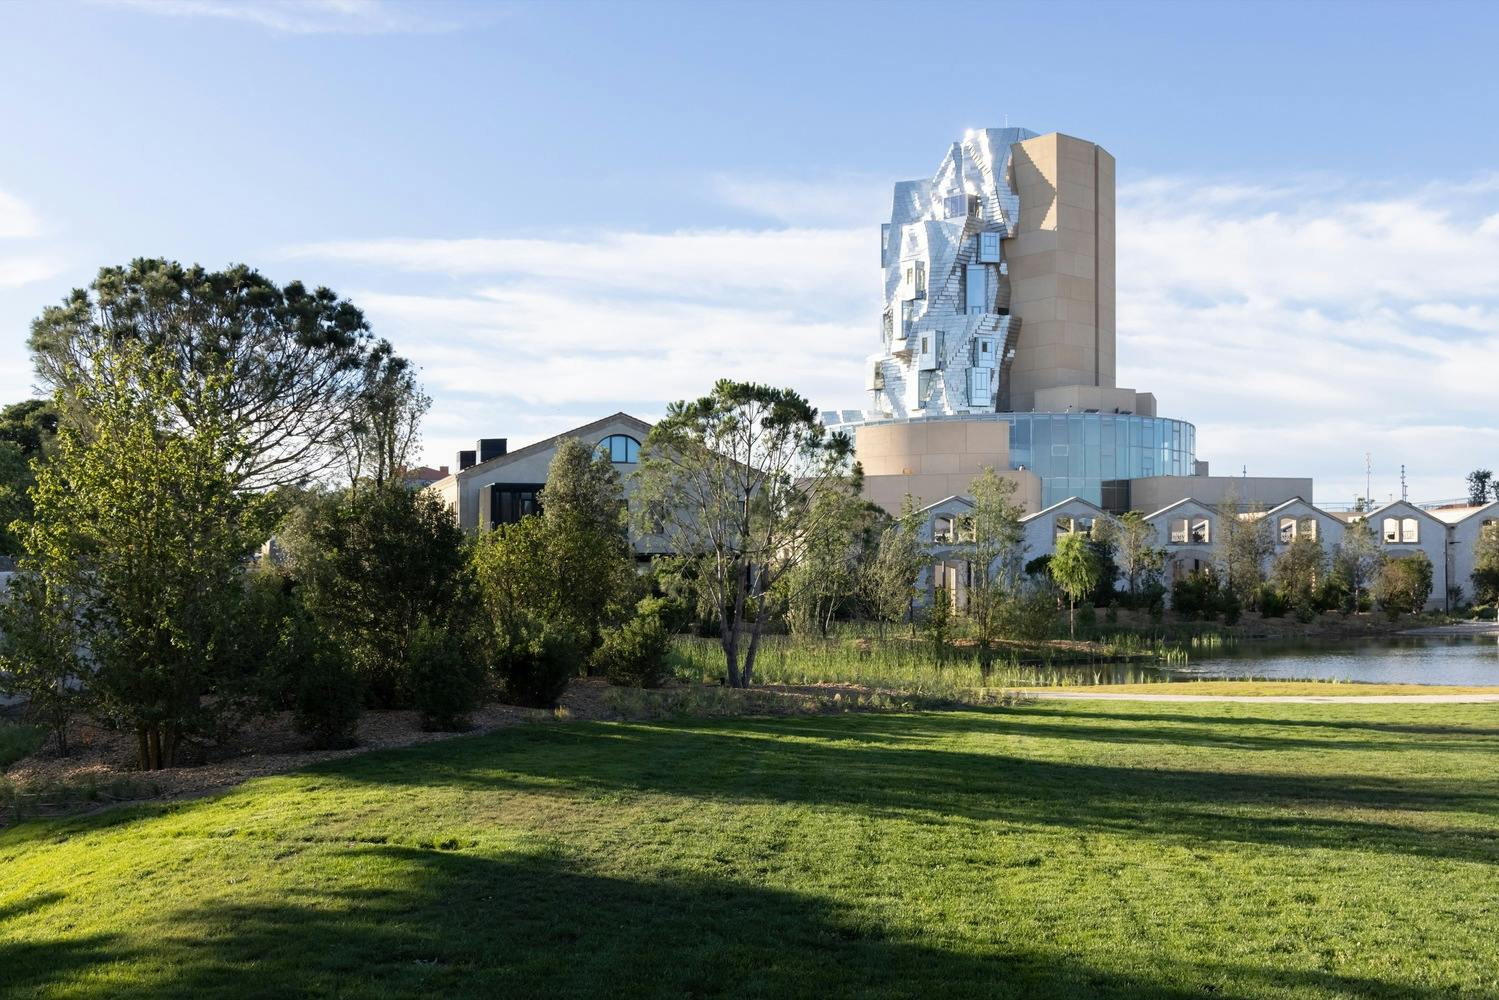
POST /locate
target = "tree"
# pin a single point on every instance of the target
(826, 577)
(384, 561)
(1486, 564)
(889, 579)
(1481, 487)
(1136, 551)
(293, 361)
(1240, 549)
(1298, 571)
(569, 566)
(1404, 584)
(1074, 566)
(731, 478)
(140, 536)
(42, 652)
(382, 434)
(584, 485)
(990, 538)
(27, 432)
(1356, 559)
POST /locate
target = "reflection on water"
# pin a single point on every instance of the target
(1393, 660)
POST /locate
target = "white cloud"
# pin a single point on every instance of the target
(851, 201)
(1303, 325)
(311, 17)
(1298, 324)
(17, 219)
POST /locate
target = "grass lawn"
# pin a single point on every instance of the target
(1069, 850)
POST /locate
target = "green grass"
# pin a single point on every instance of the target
(1068, 850)
(909, 666)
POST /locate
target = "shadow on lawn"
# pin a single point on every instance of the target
(453, 924)
(769, 760)
(1483, 739)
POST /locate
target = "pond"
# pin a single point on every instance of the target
(1467, 660)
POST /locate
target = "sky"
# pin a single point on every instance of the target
(562, 210)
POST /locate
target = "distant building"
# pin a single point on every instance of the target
(494, 485)
(997, 343)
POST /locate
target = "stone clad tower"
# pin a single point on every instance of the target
(999, 281)
(1061, 263)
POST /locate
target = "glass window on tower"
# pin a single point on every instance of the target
(988, 248)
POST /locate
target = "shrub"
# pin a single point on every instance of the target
(1031, 614)
(446, 677)
(1087, 616)
(1404, 584)
(535, 661)
(1230, 607)
(1273, 604)
(635, 654)
(326, 693)
(1112, 615)
(1195, 596)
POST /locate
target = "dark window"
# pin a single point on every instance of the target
(509, 502)
(621, 449)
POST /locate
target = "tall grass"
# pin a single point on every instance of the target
(911, 666)
(18, 740)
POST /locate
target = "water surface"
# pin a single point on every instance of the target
(1472, 660)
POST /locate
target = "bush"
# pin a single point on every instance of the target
(1031, 614)
(1112, 615)
(326, 694)
(446, 677)
(1087, 616)
(1195, 596)
(1230, 607)
(536, 660)
(1404, 584)
(634, 655)
(1272, 603)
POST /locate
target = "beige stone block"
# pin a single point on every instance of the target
(1073, 217)
(945, 436)
(1030, 242)
(988, 436)
(939, 463)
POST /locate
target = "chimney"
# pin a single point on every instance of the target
(491, 448)
(442, 470)
(465, 460)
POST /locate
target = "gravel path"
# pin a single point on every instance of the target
(1297, 699)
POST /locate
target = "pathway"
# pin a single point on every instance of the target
(1298, 699)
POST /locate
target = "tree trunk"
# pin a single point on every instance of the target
(1072, 619)
(749, 654)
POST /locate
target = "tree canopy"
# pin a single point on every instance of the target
(293, 361)
(729, 479)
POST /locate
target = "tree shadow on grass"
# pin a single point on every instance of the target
(455, 924)
(1472, 737)
(753, 761)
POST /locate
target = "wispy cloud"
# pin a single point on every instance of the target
(1299, 324)
(18, 220)
(313, 17)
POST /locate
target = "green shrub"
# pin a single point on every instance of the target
(635, 654)
(446, 677)
(536, 659)
(1112, 615)
(1272, 603)
(326, 693)
(1087, 616)
(1229, 606)
(1195, 596)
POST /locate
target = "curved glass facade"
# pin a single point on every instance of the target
(1088, 455)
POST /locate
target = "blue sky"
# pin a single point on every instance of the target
(565, 209)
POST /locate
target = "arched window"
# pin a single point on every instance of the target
(621, 449)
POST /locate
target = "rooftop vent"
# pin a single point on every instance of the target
(491, 448)
(466, 460)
